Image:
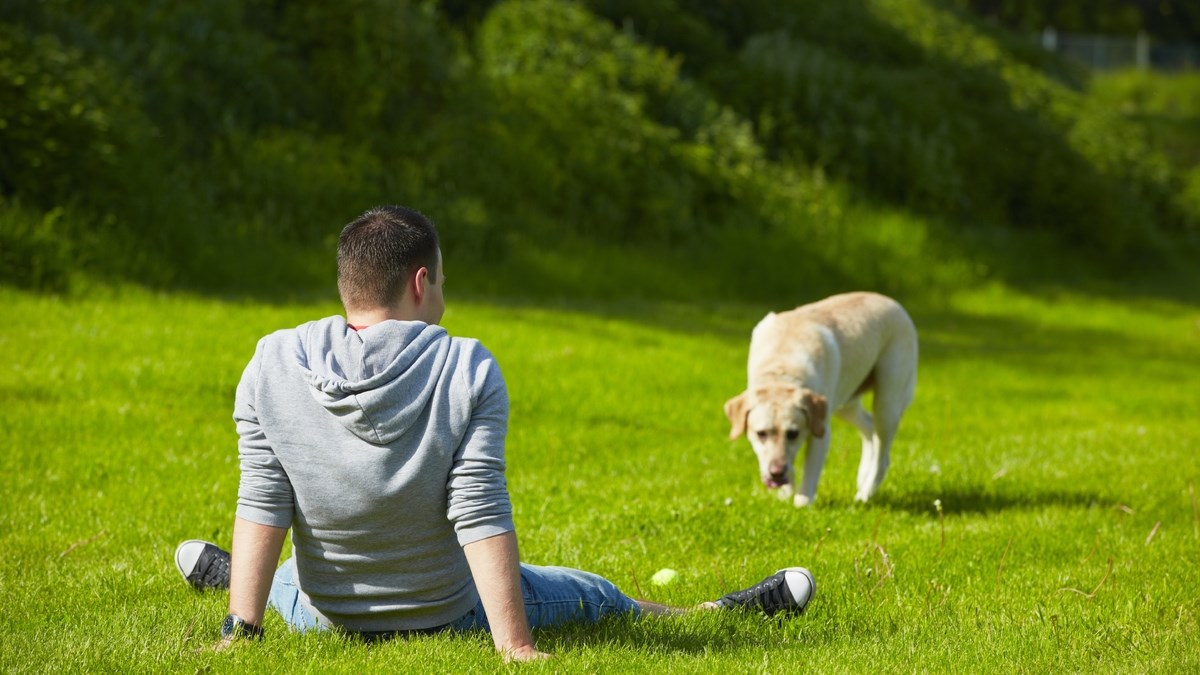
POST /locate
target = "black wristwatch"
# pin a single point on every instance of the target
(235, 626)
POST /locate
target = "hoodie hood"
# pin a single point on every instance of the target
(377, 381)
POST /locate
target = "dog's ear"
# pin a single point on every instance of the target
(735, 410)
(816, 407)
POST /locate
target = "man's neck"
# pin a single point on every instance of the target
(362, 318)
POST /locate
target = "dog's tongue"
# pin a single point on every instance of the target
(772, 483)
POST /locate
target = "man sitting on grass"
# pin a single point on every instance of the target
(379, 440)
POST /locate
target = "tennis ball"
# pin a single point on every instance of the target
(664, 576)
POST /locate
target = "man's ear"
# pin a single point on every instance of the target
(419, 284)
(816, 408)
(735, 410)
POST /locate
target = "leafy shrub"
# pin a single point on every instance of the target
(34, 253)
(613, 142)
(374, 68)
(1117, 168)
(938, 115)
(1166, 104)
(296, 186)
(573, 94)
(222, 142)
(67, 123)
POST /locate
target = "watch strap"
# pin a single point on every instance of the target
(235, 626)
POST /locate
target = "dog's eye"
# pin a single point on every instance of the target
(762, 435)
(793, 434)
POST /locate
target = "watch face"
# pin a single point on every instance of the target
(234, 626)
(228, 625)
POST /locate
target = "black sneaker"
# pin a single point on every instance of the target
(204, 565)
(788, 590)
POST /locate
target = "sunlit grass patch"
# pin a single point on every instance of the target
(1057, 432)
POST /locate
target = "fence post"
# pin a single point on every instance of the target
(1143, 50)
(1050, 39)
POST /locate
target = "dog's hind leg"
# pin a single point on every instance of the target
(875, 464)
(854, 413)
(896, 381)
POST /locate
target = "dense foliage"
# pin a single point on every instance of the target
(1162, 19)
(219, 144)
(1167, 105)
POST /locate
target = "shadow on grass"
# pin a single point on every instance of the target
(978, 500)
(1020, 342)
(694, 634)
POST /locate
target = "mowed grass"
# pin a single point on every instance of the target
(1058, 432)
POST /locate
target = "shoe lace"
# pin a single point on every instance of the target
(769, 594)
(213, 572)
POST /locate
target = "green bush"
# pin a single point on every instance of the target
(946, 120)
(1167, 105)
(203, 70)
(373, 68)
(573, 94)
(186, 143)
(296, 186)
(68, 124)
(34, 253)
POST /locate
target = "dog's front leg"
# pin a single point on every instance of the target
(814, 462)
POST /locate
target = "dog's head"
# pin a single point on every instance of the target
(777, 419)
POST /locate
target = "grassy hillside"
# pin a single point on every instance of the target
(893, 144)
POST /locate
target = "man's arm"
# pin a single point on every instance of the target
(255, 556)
(265, 496)
(496, 567)
(479, 507)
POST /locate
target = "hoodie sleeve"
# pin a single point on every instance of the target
(479, 505)
(265, 492)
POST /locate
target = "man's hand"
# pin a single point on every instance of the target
(222, 645)
(523, 654)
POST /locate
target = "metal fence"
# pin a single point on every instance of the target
(1105, 52)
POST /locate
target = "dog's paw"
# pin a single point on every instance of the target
(784, 492)
(801, 501)
(862, 497)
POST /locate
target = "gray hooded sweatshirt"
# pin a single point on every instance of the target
(383, 450)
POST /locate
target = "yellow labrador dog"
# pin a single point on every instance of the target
(816, 361)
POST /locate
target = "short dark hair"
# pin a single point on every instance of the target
(379, 250)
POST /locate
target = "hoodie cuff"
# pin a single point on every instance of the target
(266, 517)
(493, 527)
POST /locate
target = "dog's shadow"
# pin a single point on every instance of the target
(981, 499)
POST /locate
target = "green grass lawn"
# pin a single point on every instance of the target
(1060, 433)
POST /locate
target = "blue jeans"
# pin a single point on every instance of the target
(553, 595)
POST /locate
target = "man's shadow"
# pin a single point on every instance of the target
(716, 631)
